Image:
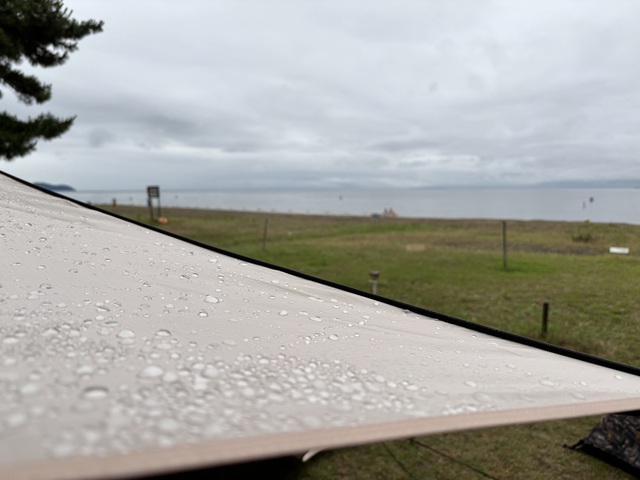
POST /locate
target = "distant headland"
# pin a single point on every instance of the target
(55, 188)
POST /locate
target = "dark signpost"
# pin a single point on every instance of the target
(153, 192)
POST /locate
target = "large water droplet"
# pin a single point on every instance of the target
(168, 425)
(210, 371)
(211, 299)
(482, 397)
(152, 371)
(126, 334)
(16, 419)
(95, 392)
(50, 332)
(29, 388)
(101, 307)
(163, 333)
(10, 340)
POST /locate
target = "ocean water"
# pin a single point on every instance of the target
(616, 205)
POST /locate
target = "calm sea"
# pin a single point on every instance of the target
(598, 205)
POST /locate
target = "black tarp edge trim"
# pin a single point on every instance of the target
(527, 341)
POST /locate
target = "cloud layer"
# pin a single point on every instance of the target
(228, 94)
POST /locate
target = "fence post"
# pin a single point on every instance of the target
(373, 279)
(545, 319)
(264, 235)
(504, 244)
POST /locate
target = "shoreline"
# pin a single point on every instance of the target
(201, 212)
(556, 205)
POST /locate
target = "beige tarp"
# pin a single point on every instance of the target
(127, 351)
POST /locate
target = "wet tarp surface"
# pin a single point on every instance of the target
(127, 351)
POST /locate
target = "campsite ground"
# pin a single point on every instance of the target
(457, 267)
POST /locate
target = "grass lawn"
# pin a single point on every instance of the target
(457, 267)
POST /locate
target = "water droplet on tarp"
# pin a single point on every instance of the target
(104, 331)
(35, 295)
(471, 383)
(50, 332)
(170, 377)
(95, 392)
(16, 419)
(211, 299)
(101, 307)
(29, 388)
(283, 313)
(85, 370)
(163, 333)
(547, 383)
(168, 425)
(126, 333)
(10, 340)
(210, 371)
(203, 314)
(152, 371)
(315, 318)
(482, 397)
(333, 336)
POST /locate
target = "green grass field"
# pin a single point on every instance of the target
(457, 267)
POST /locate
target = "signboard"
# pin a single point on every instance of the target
(153, 191)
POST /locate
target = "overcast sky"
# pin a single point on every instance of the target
(316, 93)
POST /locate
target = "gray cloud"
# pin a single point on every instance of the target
(327, 94)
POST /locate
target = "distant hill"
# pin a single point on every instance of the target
(615, 183)
(55, 188)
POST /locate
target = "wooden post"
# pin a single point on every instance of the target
(504, 244)
(264, 235)
(545, 319)
(373, 279)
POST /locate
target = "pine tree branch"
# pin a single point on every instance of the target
(43, 33)
(18, 137)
